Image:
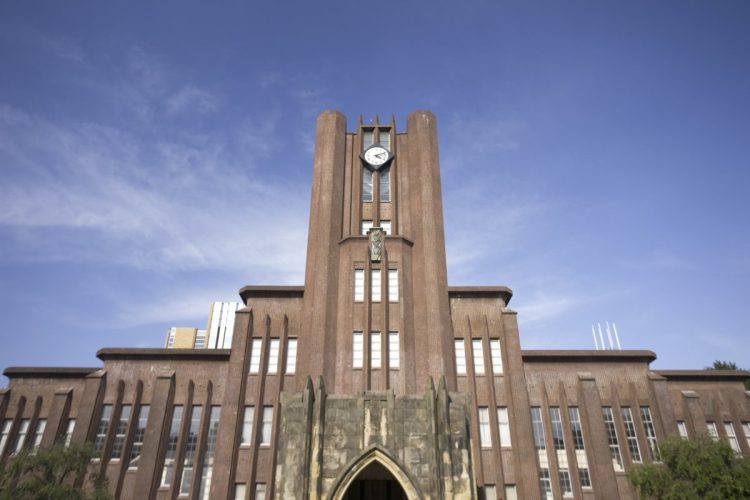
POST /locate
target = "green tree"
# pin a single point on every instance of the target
(699, 468)
(56, 473)
(727, 365)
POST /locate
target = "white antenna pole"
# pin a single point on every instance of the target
(609, 335)
(593, 332)
(617, 338)
(601, 337)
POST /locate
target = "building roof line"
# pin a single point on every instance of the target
(48, 371)
(564, 356)
(704, 374)
(108, 353)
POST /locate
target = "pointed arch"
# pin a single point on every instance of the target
(382, 457)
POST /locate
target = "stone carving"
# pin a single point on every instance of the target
(376, 244)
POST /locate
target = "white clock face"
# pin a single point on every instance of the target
(376, 156)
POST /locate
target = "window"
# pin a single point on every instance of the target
(682, 429)
(630, 436)
(247, 424)
(648, 430)
(584, 477)
(496, 355)
(558, 441)
(575, 427)
(392, 285)
(375, 350)
(41, 424)
(67, 437)
(255, 355)
(359, 285)
(545, 484)
(23, 430)
(207, 469)
(260, 491)
(458, 345)
(101, 430)
(563, 475)
(510, 492)
(713, 432)
(167, 474)
(240, 490)
(385, 138)
(4, 434)
(478, 352)
(490, 493)
(273, 356)
(357, 350)
(614, 443)
(191, 449)
(266, 426)
(366, 184)
(368, 138)
(291, 355)
(386, 226)
(485, 438)
(538, 428)
(732, 438)
(745, 429)
(170, 338)
(138, 435)
(385, 185)
(366, 226)
(394, 351)
(122, 426)
(200, 339)
(375, 285)
(503, 426)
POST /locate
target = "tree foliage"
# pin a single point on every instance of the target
(699, 468)
(56, 473)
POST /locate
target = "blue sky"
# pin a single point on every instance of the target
(156, 156)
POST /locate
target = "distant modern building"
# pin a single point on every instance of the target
(375, 378)
(217, 335)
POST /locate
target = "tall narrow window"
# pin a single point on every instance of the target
(490, 492)
(732, 438)
(240, 490)
(485, 437)
(207, 469)
(5, 434)
(581, 459)
(67, 438)
(375, 350)
(458, 345)
(682, 429)
(200, 339)
(358, 348)
(273, 356)
(41, 424)
(392, 285)
(266, 426)
(122, 426)
(170, 338)
(510, 492)
(385, 138)
(497, 358)
(375, 285)
(385, 225)
(138, 435)
(359, 285)
(366, 226)
(368, 138)
(545, 484)
(478, 352)
(167, 473)
(247, 424)
(503, 426)
(191, 449)
(291, 355)
(23, 430)
(745, 429)
(650, 432)
(558, 442)
(385, 184)
(614, 443)
(101, 429)
(713, 432)
(538, 428)
(394, 351)
(627, 419)
(366, 184)
(260, 491)
(255, 348)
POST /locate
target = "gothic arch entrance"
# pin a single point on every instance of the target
(375, 477)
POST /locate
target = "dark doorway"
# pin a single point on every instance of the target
(375, 482)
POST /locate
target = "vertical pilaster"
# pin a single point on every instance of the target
(57, 416)
(603, 475)
(93, 393)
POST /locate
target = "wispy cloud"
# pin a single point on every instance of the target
(191, 97)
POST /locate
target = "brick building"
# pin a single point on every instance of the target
(375, 379)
